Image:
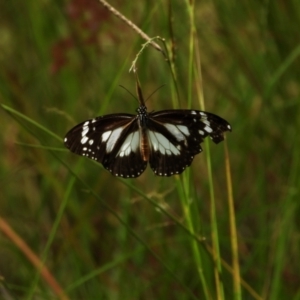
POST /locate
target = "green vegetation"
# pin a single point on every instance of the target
(101, 237)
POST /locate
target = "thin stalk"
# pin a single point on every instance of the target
(53, 232)
(186, 206)
(33, 258)
(190, 8)
(286, 222)
(213, 217)
(170, 50)
(130, 24)
(233, 234)
(185, 198)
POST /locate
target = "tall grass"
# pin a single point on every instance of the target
(227, 228)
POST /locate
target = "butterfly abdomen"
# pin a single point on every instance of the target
(144, 144)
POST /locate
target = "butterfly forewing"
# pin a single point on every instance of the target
(206, 123)
(112, 140)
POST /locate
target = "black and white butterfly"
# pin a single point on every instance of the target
(125, 143)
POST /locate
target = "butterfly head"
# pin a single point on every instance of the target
(142, 115)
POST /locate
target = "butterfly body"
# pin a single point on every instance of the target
(125, 143)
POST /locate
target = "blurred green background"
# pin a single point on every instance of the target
(62, 62)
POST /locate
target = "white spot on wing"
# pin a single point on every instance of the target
(115, 134)
(184, 129)
(105, 136)
(91, 142)
(174, 130)
(179, 131)
(84, 140)
(86, 123)
(85, 130)
(130, 144)
(208, 129)
(206, 122)
(162, 149)
(161, 143)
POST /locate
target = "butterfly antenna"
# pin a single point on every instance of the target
(154, 92)
(139, 90)
(129, 92)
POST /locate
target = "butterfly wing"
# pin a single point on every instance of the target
(175, 136)
(113, 140)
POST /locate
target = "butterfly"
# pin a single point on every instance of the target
(125, 143)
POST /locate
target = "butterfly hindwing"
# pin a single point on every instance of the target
(171, 149)
(126, 160)
(112, 140)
